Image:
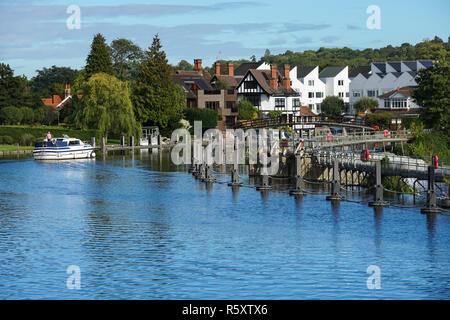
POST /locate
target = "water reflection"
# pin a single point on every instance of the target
(235, 190)
(138, 232)
(378, 214)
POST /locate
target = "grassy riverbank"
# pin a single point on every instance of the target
(27, 135)
(10, 147)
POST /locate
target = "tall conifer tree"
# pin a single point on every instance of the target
(99, 59)
(157, 99)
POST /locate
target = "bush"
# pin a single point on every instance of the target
(246, 110)
(27, 139)
(10, 115)
(27, 115)
(332, 106)
(383, 120)
(366, 103)
(208, 117)
(6, 140)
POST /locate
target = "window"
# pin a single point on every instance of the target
(319, 94)
(230, 91)
(250, 85)
(311, 106)
(356, 94)
(310, 94)
(230, 104)
(310, 83)
(254, 99)
(212, 105)
(230, 121)
(296, 102)
(341, 94)
(318, 107)
(340, 82)
(280, 102)
(372, 93)
(75, 142)
(347, 94)
(398, 103)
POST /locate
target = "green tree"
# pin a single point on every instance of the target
(433, 94)
(332, 106)
(10, 115)
(126, 56)
(14, 90)
(27, 115)
(208, 117)
(99, 59)
(40, 115)
(49, 79)
(246, 110)
(366, 103)
(184, 65)
(106, 106)
(157, 99)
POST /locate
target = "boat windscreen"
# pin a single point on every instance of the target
(61, 143)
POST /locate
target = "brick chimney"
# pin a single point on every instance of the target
(230, 69)
(217, 67)
(198, 66)
(274, 77)
(286, 79)
(67, 91)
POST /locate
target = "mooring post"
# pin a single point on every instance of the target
(264, 180)
(378, 200)
(202, 173)
(132, 143)
(103, 146)
(298, 191)
(336, 183)
(431, 205)
(235, 176)
(93, 142)
(192, 167)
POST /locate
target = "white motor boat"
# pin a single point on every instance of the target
(62, 149)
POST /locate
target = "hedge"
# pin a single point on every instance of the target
(22, 134)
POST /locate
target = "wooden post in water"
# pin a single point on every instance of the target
(378, 200)
(298, 191)
(336, 183)
(265, 182)
(431, 205)
(93, 142)
(103, 146)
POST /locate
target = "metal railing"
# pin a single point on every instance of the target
(391, 164)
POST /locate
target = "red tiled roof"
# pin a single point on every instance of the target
(306, 112)
(406, 91)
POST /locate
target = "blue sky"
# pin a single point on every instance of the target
(33, 34)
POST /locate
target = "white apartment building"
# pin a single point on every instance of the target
(383, 77)
(313, 86)
(336, 82)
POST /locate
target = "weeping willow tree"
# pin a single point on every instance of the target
(106, 106)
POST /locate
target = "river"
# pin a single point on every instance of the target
(141, 228)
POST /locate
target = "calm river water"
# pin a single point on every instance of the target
(143, 229)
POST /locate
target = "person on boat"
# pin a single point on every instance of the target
(49, 136)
